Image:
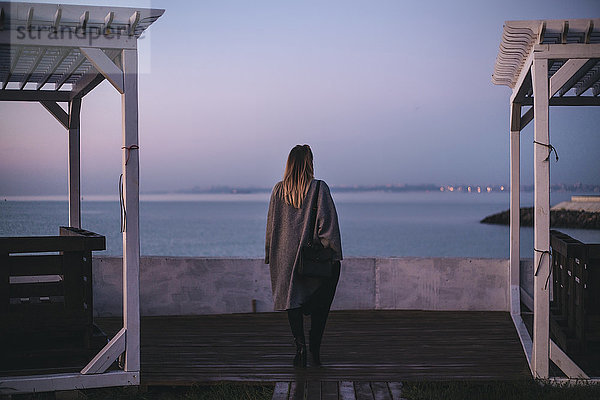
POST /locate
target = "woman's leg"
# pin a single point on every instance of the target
(296, 321)
(319, 313)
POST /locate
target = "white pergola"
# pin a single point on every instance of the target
(546, 63)
(52, 54)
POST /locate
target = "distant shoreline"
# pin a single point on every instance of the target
(558, 218)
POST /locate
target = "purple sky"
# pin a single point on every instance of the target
(383, 91)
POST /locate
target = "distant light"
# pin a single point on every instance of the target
(441, 188)
(501, 188)
(469, 189)
(451, 188)
(478, 189)
(489, 189)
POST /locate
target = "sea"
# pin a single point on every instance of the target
(373, 223)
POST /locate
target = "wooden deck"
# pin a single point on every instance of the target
(359, 346)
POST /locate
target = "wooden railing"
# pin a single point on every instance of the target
(575, 305)
(46, 299)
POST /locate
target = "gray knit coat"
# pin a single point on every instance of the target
(288, 229)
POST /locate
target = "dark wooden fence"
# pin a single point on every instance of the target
(575, 306)
(46, 300)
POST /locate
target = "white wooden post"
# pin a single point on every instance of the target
(515, 207)
(131, 239)
(74, 164)
(541, 234)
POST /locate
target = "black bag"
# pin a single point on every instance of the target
(316, 261)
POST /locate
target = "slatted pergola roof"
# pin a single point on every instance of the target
(519, 39)
(41, 50)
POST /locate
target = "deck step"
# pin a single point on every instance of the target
(334, 390)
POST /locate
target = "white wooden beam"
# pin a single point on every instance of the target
(526, 118)
(569, 101)
(56, 20)
(95, 39)
(524, 76)
(83, 20)
(74, 168)
(515, 206)
(588, 32)
(12, 67)
(541, 32)
(86, 85)
(107, 355)
(50, 383)
(566, 365)
(564, 32)
(524, 338)
(105, 66)
(526, 299)
(134, 20)
(569, 69)
(588, 82)
(577, 76)
(29, 19)
(541, 238)
(108, 20)
(566, 51)
(131, 238)
(34, 95)
(57, 111)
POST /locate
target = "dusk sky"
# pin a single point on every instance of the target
(383, 91)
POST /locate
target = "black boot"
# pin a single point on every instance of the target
(295, 319)
(314, 345)
(300, 357)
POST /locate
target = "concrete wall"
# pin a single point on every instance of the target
(180, 286)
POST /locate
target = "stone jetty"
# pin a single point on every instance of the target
(582, 212)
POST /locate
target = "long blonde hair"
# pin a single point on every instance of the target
(298, 174)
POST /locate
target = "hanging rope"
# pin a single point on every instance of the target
(129, 148)
(122, 204)
(550, 150)
(540, 265)
(121, 197)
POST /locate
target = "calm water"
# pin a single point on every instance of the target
(417, 224)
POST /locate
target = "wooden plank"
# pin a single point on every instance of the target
(23, 290)
(297, 389)
(35, 265)
(281, 391)
(4, 283)
(380, 391)
(563, 77)
(313, 389)
(329, 390)
(347, 391)
(32, 244)
(363, 391)
(395, 390)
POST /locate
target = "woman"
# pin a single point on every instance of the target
(289, 223)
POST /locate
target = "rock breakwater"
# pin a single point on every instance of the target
(558, 218)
